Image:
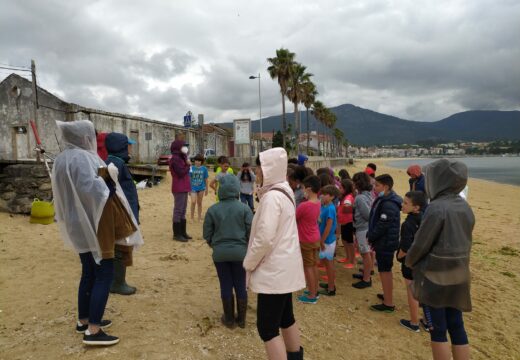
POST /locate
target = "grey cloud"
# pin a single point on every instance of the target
(417, 61)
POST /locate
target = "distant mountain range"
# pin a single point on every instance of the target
(367, 127)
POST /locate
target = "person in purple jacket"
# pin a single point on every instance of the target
(180, 168)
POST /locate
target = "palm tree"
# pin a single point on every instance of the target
(295, 93)
(309, 96)
(338, 135)
(280, 69)
(318, 110)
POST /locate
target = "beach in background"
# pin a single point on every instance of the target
(505, 170)
(176, 311)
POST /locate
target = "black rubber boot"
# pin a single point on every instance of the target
(119, 285)
(183, 230)
(298, 355)
(177, 232)
(228, 318)
(241, 312)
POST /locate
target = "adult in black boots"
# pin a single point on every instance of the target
(118, 147)
(180, 168)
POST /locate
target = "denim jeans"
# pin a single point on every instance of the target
(248, 200)
(94, 287)
(231, 274)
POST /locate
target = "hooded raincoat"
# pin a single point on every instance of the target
(179, 168)
(439, 256)
(228, 223)
(117, 147)
(273, 260)
(79, 193)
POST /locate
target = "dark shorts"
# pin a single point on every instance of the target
(273, 311)
(347, 233)
(407, 272)
(385, 260)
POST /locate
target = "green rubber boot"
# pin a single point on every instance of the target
(119, 285)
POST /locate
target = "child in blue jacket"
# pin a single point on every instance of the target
(383, 236)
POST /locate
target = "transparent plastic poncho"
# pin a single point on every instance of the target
(79, 193)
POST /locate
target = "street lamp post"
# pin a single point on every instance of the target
(252, 77)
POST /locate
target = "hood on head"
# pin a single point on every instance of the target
(274, 165)
(117, 145)
(176, 146)
(445, 177)
(78, 134)
(302, 158)
(229, 187)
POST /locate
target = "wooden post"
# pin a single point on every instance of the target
(35, 101)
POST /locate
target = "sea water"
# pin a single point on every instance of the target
(504, 170)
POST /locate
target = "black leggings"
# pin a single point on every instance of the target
(273, 311)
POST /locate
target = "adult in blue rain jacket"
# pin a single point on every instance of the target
(117, 146)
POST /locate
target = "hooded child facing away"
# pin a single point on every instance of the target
(439, 255)
(117, 146)
(273, 260)
(226, 229)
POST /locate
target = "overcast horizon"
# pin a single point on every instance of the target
(415, 60)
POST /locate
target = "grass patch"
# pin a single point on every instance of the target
(508, 251)
(508, 274)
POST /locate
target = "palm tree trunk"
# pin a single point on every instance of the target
(297, 128)
(284, 126)
(308, 133)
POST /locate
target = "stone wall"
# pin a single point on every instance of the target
(20, 184)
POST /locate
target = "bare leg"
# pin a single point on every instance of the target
(200, 195)
(367, 266)
(93, 329)
(275, 349)
(351, 254)
(291, 338)
(192, 206)
(388, 284)
(412, 304)
(441, 350)
(460, 352)
(345, 248)
(310, 279)
(331, 274)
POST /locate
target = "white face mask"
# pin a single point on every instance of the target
(184, 149)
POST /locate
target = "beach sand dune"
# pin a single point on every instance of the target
(175, 313)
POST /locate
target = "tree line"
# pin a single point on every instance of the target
(296, 85)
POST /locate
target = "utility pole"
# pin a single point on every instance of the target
(35, 100)
(201, 134)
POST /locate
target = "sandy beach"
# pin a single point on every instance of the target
(175, 313)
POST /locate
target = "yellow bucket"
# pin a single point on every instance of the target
(42, 212)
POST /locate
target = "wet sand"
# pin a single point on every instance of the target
(175, 313)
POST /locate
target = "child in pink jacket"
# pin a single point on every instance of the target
(273, 261)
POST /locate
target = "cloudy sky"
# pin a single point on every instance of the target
(419, 60)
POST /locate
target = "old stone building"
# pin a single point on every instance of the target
(17, 142)
(22, 179)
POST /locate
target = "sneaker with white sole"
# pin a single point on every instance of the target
(408, 324)
(81, 328)
(99, 339)
(307, 293)
(307, 300)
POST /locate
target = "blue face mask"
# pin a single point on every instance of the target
(381, 193)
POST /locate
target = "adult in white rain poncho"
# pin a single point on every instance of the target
(92, 214)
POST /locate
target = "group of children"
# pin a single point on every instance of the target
(362, 211)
